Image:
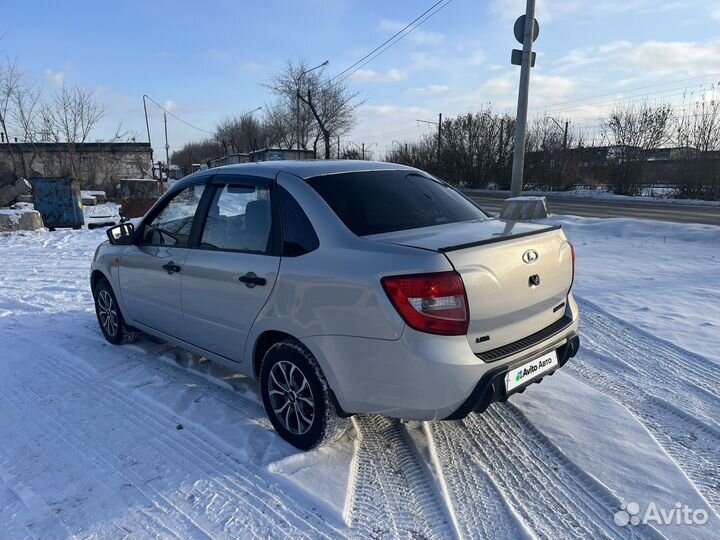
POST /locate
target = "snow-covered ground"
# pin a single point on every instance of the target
(146, 441)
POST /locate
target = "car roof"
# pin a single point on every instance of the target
(302, 168)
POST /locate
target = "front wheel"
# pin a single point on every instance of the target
(297, 397)
(109, 316)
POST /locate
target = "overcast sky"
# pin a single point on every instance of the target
(206, 60)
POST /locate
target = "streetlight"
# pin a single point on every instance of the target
(250, 143)
(297, 98)
(250, 112)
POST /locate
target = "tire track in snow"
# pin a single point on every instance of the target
(89, 472)
(553, 496)
(165, 359)
(479, 509)
(615, 338)
(393, 494)
(222, 484)
(673, 403)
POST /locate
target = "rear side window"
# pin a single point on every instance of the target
(375, 202)
(299, 236)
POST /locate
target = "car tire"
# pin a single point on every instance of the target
(110, 318)
(297, 397)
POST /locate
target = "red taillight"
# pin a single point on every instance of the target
(434, 303)
(572, 251)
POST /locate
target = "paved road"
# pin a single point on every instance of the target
(678, 213)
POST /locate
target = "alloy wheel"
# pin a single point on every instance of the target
(107, 312)
(291, 397)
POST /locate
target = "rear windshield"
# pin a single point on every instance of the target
(375, 202)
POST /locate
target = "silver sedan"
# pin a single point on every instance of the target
(345, 287)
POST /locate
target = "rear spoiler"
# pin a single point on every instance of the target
(496, 239)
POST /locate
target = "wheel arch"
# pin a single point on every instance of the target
(263, 343)
(96, 276)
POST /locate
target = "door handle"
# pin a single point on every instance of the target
(251, 280)
(171, 267)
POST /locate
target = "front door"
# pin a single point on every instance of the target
(151, 271)
(228, 277)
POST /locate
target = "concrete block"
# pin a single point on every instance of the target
(16, 220)
(25, 198)
(524, 208)
(100, 196)
(9, 193)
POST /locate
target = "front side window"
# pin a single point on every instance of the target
(375, 202)
(171, 227)
(239, 219)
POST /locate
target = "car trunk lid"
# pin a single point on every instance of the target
(516, 275)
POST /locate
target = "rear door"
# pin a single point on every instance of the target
(151, 271)
(229, 274)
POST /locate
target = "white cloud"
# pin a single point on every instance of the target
(55, 77)
(658, 57)
(498, 86)
(544, 89)
(417, 36)
(715, 14)
(370, 75)
(395, 112)
(423, 60)
(667, 57)
(430, 90)
(170, 105)
(476, 58)
(252, 66)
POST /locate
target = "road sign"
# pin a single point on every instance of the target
(516, 58)
(519, 29)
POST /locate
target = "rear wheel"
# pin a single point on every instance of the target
(112, 324)
(297, 397)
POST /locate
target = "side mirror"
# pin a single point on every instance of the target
(121, 235)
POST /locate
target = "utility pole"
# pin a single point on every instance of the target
(167, 150)
(564, 130)
(363, 151)
(338, 148)
(529, 36)
(439, 138)
(147, 126)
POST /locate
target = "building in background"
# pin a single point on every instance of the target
(96, 166)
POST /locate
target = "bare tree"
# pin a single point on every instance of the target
(69, 119)
(317, 108)
(697, 126)
(10, 79)
(240, 133)
(475, 149)
(632, 130)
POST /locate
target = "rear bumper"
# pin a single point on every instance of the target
(421, 376)
(491, 386)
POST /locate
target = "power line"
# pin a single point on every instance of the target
(387, 40)
(390, 42)
(176, 117)
(666, 83)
